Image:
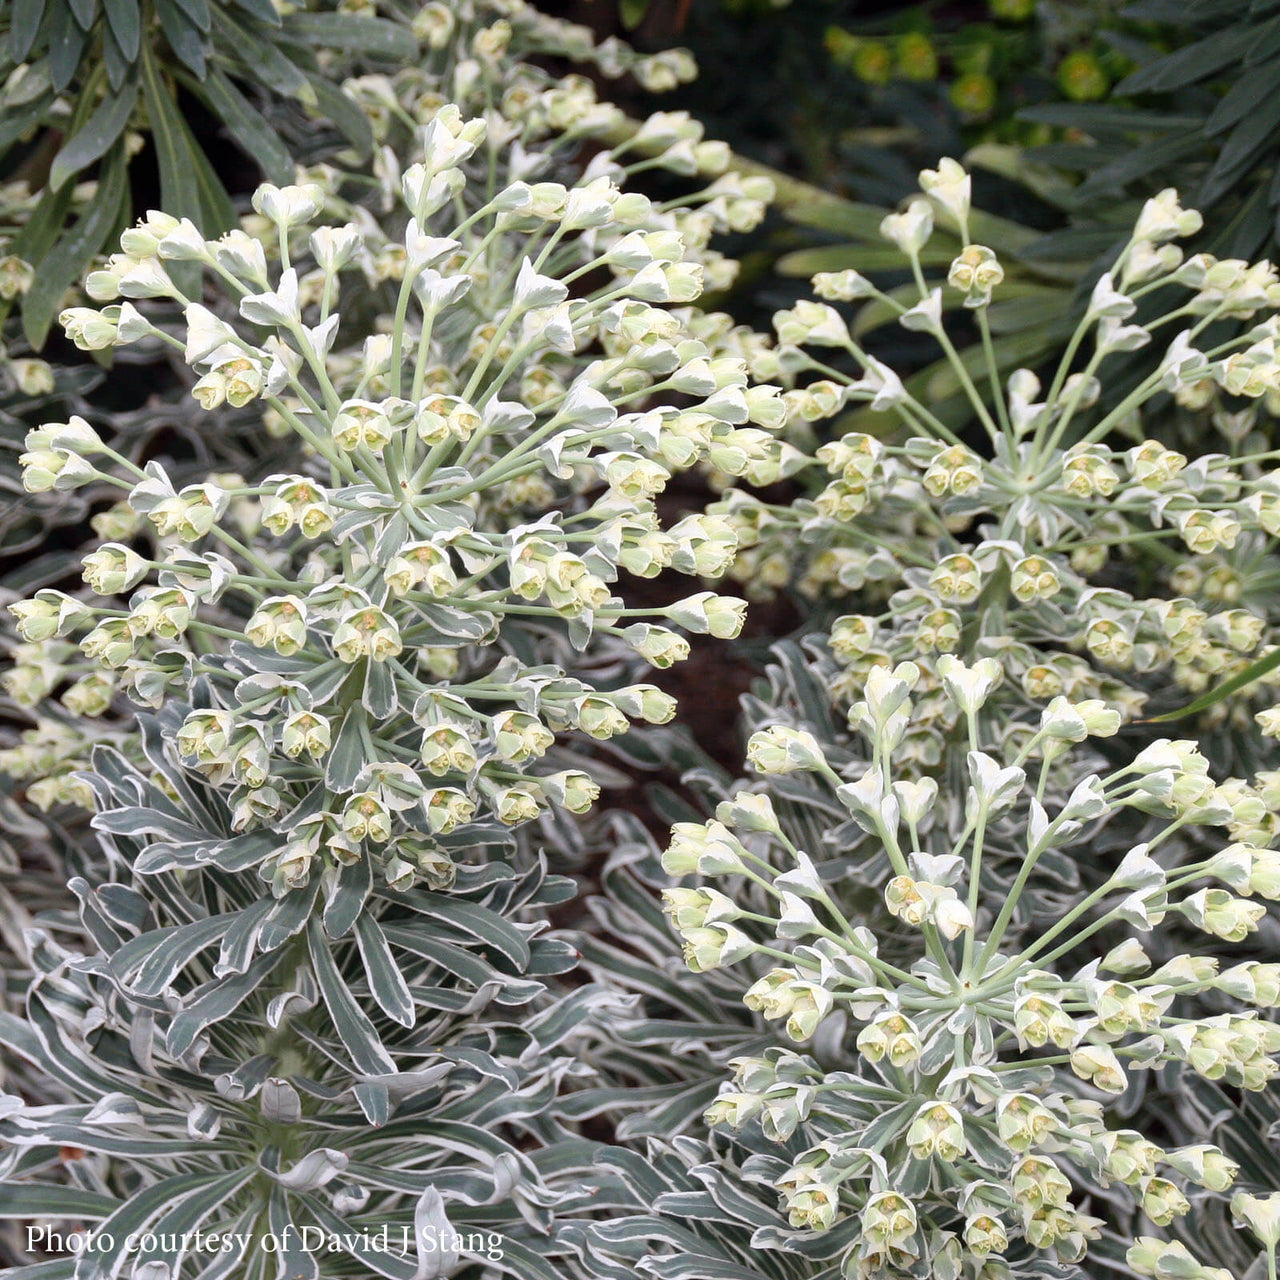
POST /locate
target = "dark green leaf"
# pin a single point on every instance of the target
(1254, 671)
(265, 63)
(83, 12)
(188, 186)
(65, 263)
(197, 12)
(263, 10)
(126, 25)
(14, 125)
(1191, 64)
(105, 125)
(1245, 95)
(352, 33)
(184, 37)
(66, 45)
(118, 66)
(1251, 135)
(27, 16)
(247, 126)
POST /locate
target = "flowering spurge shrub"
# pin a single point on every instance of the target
(953, 1114)
(1039, 536)
(359, 618)
(296, 1076)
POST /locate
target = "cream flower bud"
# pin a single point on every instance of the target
(969, 687)
(781, 749)
(289, 206)
(1261, 1214)
(113, 569)
(1163, 218)
(842, 286)
(1099, 1065)
(948, 186)
(910, 229)
(976, 273)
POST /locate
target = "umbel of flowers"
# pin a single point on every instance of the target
(979, 1068)
(340, 636)
(1032, 538)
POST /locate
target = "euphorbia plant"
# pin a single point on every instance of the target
(351, 692)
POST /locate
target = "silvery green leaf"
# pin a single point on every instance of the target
(392, 537)
(347, 755)
(436, 291)
(217, 1000)
(287, 918)
(1086, 802)
(1136, 909)
(386, 983)
(313, 1170)
(349, 1198)
(272, 685)
(245, 1081)
(346, 893)
(993, 788)
(352, 1024)
(203, 1122)
(1138, 871)
(507, 416)
(802, 880)
(586, 407)
(147, 494)
(157, 957)
(278, 307)
(455, 624)
(290, 1004)
(433, 1233)
(241, 939)
(206, 576)
(380, 697)
(580, 629)
(294, 1260)
(943, 869)
(114, 1109)
(534, 290)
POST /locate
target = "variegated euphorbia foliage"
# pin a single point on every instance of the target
(1088, 565)
(953, 1113)
(246, 1087)
(350, 692)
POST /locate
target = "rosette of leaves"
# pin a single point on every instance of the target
(1051, 535)
(220, 1061)
(934, 1120)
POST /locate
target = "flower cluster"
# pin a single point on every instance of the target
(1038, 539)
(489, 463)
(962, 1065)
